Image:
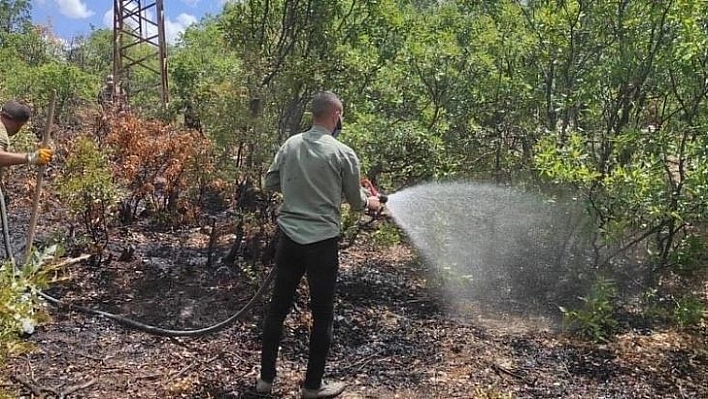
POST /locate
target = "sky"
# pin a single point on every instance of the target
(70, 18)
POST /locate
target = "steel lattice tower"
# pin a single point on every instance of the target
(137, 22)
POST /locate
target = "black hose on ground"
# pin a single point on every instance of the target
(154, 330)
(163, 332)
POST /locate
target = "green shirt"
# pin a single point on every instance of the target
(313, 170)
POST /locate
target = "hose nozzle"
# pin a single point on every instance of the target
(366, 183)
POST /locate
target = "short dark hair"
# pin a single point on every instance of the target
(323, 102)
(17, 111)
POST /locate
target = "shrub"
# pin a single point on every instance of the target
(688, 259)
(34, 84)
(409, 154)
(386, 235)
(595, 320)
(20, 306)
(88, 190)
(159, 166)
(689, 311)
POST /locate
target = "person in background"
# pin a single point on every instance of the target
(109, 99)
(105, 95)
(13, 117)
(312, 170)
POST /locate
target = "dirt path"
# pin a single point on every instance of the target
(393, 339)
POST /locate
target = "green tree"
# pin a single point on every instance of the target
(14, 16)
(93, 54)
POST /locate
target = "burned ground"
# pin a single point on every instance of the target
(395, 336)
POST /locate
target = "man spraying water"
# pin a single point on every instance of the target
(312, 170)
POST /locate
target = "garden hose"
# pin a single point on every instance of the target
(154, 330)
(163, 332)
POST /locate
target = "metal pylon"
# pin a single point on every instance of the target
(137, 22)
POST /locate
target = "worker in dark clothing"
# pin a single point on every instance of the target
(109, 98)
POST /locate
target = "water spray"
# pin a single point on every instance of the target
(497, 248)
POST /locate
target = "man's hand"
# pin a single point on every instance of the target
(373, 203)
(40, 157)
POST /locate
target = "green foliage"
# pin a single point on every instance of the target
(689, 257)
(209, 78)
(93, 54)
(685, 311)
(34, 85)
(88, 190)
(566, 163)
(14, 15)
(689, 311)
(395, 155)
(33, 62)
(643, 189)
(20, 306)
(595, 320)
(386, 235)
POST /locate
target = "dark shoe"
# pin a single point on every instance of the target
(263, 387)
(324, 391)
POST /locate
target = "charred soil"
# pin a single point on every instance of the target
(393, 338)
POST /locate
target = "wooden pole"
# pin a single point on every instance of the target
(46, 135)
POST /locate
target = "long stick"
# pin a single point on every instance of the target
(40, 176)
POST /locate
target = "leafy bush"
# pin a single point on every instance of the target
(88, 190)
(407, 154)
(689, 311)
(595, 320)
(688, 258)
(685, 311)
(74, 87)
(386, 235)
(20, 306)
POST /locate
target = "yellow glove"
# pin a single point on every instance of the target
(40, 157)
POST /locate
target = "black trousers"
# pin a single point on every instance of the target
(319, 261)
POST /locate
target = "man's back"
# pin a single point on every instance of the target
(313, 170)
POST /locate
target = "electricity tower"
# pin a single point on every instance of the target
(138, 22)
